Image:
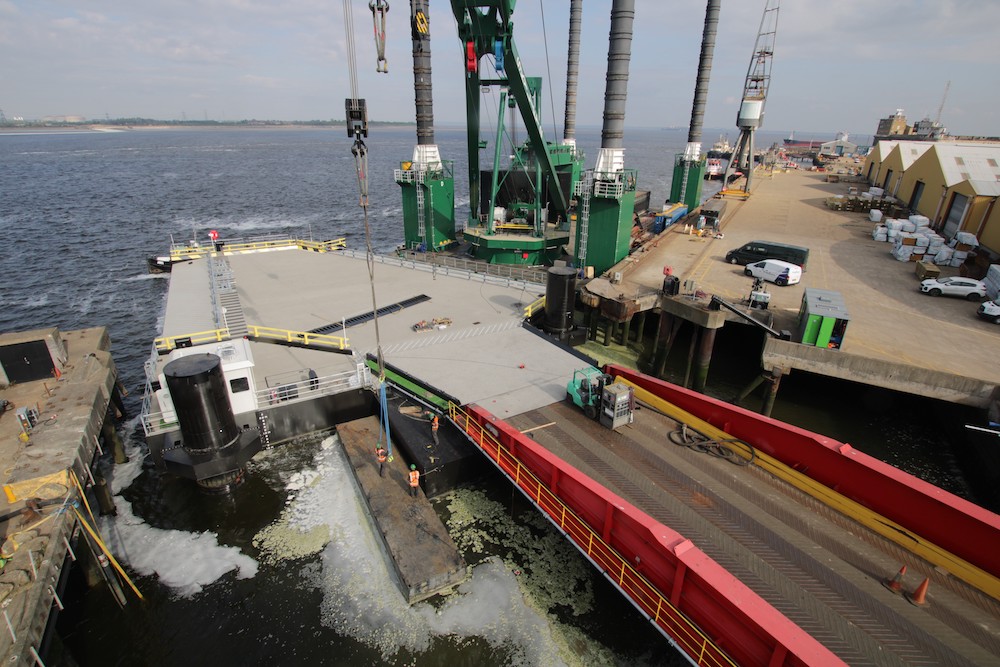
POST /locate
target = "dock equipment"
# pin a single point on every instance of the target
(519, 213)
(751, 113)
(823, 318)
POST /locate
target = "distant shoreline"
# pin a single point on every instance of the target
(115, 127)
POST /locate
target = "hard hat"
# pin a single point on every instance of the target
(413, 466)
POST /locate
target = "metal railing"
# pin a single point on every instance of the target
(699, 648)
(293, 391)
(504, 275)
(180, 252)
(533, 307)
(168, 343)
(322, 341)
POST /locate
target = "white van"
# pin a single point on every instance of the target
(777, 271)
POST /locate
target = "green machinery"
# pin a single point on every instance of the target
(689, 175)
(428, 189)
(599, 397)
(427, 181)
(586, 388)
(823, 319)
(604, 217)
(519, 214)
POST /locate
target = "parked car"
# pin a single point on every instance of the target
(775, 270)
(990, 311)
(758, 250)
(967, 288)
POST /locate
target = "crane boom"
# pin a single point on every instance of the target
(755, 87)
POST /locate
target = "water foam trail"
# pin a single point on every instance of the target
(362, 598)
(185, 562)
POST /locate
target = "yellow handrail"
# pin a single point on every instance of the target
(167, 343)
(299, 337)
(689, 637)
(887, 528)
(180, 253)
(534, 306)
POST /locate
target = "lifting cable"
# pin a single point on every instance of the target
(357, 127)
(379, 9)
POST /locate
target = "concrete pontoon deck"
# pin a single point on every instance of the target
(299, 290)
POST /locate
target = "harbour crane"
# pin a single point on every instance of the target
(751, 113)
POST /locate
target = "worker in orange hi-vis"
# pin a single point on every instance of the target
(434, 429)
(381, 455)
(414, 480)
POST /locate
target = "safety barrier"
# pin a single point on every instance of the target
(180, 253)
(713, 617)
(534, 307)
(671, 621)
(168, 343)
(949, 531)
(297, 337)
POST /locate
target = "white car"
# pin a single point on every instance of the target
(967, 288)
(777, 271)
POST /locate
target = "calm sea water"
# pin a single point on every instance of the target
(286, 570)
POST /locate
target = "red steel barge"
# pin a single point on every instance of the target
(799, 557)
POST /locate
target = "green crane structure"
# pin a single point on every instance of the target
(427, 182)
(518, 214)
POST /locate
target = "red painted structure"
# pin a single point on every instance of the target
(966, 530)
(673, 582)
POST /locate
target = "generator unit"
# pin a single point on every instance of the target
(617, 405)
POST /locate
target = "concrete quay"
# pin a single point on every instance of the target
(897, 338)
(73, 405)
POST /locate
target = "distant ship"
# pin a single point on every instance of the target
(714, 168)
(811, 143)
(721, 148)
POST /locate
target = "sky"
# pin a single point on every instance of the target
(839, 65)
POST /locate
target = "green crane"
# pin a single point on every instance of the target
(522, 218)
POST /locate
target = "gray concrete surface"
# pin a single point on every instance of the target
(890, 320)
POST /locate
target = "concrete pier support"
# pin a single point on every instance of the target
(756, 382)
(111, 440)
(626, 331)
(640, 327)
(669, 327)
(772, 392)
(593, 321)
(692, 346)
(706, 344)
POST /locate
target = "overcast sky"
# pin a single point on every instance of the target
(838, 64)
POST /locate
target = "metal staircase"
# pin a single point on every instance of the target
(228, 309)
(582, 190)
(421, 215)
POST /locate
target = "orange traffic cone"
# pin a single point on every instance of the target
(919, 596)
(896, 583)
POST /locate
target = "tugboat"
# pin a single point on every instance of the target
(721, 148)
(714, 168)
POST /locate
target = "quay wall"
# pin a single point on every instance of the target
(878, 372)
